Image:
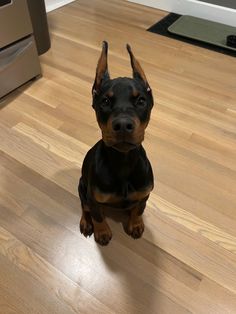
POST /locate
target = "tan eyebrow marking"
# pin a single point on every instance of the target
(110, 93)
(135, 92)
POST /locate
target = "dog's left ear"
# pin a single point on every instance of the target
(102, 73)
(138, 72)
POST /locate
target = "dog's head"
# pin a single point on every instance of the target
(123, 105)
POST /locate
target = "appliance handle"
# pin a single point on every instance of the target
(5, 3)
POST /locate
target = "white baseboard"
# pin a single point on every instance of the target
(55, 4)
(196, 8)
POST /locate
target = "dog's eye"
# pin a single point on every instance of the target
(141, 102)
(106, 102)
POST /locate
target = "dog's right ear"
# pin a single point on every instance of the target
(102, 73)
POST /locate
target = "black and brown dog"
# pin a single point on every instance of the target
(116, 172)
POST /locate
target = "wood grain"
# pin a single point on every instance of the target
(186, 260)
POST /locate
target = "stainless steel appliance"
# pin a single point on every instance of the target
(19, 61)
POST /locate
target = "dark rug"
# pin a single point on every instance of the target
(161, 28)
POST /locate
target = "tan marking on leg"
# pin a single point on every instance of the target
(135, 225)
(102, 232)
(86, 224)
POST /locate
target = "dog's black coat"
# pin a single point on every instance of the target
(116, 172)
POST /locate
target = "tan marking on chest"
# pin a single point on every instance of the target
(102, 197)
(139, 195)
(110, 198)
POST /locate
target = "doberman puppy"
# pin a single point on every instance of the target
(116, 173)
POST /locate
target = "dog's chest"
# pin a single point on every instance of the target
(127, 195)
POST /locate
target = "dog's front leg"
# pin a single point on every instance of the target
(86, 225)
(102, 231)
(135, 226)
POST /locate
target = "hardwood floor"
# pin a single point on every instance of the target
(186, 260)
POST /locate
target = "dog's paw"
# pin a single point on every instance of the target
(136, 229)
(103, 237)
(86, 227)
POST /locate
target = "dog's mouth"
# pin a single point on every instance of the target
(124, 146)
(123, 143)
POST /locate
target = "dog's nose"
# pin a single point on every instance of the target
(123, 125)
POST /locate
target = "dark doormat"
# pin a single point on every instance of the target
(162, 26)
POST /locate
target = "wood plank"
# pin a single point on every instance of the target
(69, 296)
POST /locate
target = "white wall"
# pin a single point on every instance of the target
(54, 4)
(195, 8)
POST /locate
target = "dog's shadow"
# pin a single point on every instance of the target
(133, 263)
(130, 263)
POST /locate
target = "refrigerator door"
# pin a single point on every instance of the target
(18, 64)
(15, 21)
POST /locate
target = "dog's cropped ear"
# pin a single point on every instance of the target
(102, 73)
(138, 72)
